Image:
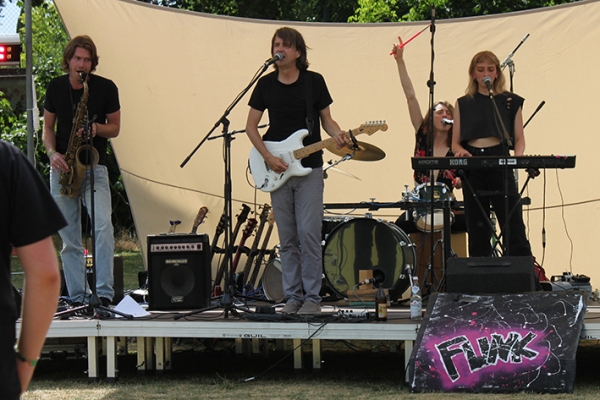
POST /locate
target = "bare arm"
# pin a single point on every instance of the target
(332, 128)
(57, 160)
(41, 291)
(414, 110)
(457, 148)
(519, 133)
(111, 128)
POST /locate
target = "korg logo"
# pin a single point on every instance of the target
(458, 162)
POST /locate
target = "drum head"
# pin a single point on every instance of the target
(271, 280)
(367, 244)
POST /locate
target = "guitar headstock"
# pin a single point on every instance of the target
(370, 127)
(221, 226)
(201, 215)
(244, 214)
(271, 219)
(250, 225)
(265, 212)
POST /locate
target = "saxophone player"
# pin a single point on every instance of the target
(85, 105)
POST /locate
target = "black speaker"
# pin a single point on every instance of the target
(178, 271)
(490, 275)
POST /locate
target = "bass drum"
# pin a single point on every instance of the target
(271, 280)
(368, 244)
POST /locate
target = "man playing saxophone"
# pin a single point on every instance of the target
(85, 105)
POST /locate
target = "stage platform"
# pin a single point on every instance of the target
(155, 333)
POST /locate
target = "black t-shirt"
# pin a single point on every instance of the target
(28, 214)
(287, 109)
(62, 100)
(478, 118)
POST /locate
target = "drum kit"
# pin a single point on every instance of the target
(351, 244)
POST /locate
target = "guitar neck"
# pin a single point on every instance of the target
(368, 128)
(260, 257)
(252, 253)
(312, 148)
(241, 219)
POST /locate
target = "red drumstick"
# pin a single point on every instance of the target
(411, 38)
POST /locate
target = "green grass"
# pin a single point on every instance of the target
(126, 247)
(210, 369)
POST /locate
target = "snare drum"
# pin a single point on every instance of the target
(422, 212)
(367, 244)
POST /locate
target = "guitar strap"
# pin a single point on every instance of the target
(310, 122)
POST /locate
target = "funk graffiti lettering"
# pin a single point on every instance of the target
(510, 350)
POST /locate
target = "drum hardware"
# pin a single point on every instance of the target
(332, 167)
(435, 281)
(423, 216)
(360, 151)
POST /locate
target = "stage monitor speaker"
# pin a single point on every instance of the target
(490, 275)
(178, 271)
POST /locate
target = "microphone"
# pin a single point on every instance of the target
(276, 57)
(488, 82)
(447, 121)
(378, 277)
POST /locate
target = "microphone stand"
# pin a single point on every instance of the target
(95, 305)
(506, 144)
(430, 135)
(226, 299)
(508, 61)
(531, 172)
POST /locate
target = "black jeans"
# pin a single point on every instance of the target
(489, 187)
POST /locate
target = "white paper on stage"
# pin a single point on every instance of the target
(131, 307)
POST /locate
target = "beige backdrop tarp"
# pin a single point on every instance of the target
(178, 71)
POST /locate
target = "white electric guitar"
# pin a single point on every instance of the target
(291, 150)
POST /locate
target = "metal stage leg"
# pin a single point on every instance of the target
(316, 354)
(160, 355)
(408, 348)
(111, 359)
(93, 362)
(297, 343)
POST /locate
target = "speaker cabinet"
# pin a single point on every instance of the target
(178, 271)
(490, 275)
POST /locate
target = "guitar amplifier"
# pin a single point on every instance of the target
(490, 275)
(179, 271)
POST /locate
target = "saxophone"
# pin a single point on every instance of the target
(79, 155)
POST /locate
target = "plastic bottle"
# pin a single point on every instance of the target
(380, 304)
(416, 301)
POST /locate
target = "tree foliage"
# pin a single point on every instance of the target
(48, 41)
(360, 11)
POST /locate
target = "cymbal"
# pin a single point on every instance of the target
(365, 152)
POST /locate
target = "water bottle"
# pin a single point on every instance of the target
(416, 301)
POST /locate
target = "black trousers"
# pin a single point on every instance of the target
(488, 186)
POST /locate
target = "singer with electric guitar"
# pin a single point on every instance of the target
(488, 121)
(296, 99)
